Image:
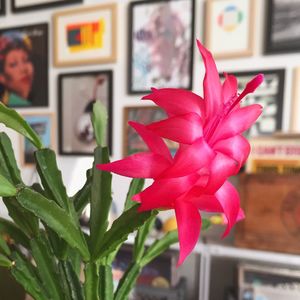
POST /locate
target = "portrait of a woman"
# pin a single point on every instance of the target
(23, 80)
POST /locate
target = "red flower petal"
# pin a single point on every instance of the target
(229, 88)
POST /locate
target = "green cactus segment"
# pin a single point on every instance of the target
(136, 185)
(6, 188)
(5, 262)
(91, 285)
(99, 121)
(3, 246)
(106, 287)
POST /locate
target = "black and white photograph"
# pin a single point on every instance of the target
(282, 26)
(81, 91)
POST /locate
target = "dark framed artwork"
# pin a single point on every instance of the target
(143, 114)
(282, 26)
(269, 94)
(77, 94)
(161, 35)
(27, 5)
(2, 7)
(24, 66)
(43, 125)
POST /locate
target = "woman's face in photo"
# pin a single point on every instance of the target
(18, 72)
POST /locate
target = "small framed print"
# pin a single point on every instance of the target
(77, 94)
(143, 114)
(269, 94)
(43, 125)
(282, 34)
(85, 36)
(28, 5)
(161, 38)
(229, 28)
(2, 7)
(24, 84)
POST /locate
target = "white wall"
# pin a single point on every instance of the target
(73, 168)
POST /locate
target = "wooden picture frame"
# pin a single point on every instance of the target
(270, 94)
(295, 108)
(85, 36)
(44, 124)
(229, 28)
(132, 142)
(161, 39)
(2, 7)
(28, 5)
(282, 28)
(81, 90)
(29, 87)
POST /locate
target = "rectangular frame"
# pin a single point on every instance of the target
(165, 60)
(229, 28)
(2, 7)
(85, 36)
(270, 95)
(46, 134)
(80, 90)
(145, 115)
(282, 29)
(28, 88)
(21, 5)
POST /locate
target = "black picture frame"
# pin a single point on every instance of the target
(2, 7)
(155, 60)
(76, 95)
(17, 8)
(282, 33)
(29, 88)
(270, 94)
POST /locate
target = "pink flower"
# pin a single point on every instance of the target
(211, 148)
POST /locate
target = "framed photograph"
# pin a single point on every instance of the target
(43, 124)
(295, 108)
(85, 36)
(27, 5)
(270, 95)
(161, 38)
(145, 115)
(77, 94)
(229, 28)
(2, 7)
(24, 66)
(282, 26)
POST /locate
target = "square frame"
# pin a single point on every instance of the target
(277, 12)
(160, 57)
(2, 7)
(230, 21)
(46, 133)
(269, 94)
(81, 90)
(85, 36)
(29, 88)
(17, 7)
(132, 142)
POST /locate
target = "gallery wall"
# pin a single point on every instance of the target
(73, 167)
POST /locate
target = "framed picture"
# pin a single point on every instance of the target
(270, 95)
(2, 7)
(27, 5)
(85, 36)
(43, 124)
(282, 27)
(295, 108)
(24, 66)
(161, 38)
(229, 28)
(145, 115)
(80, 91)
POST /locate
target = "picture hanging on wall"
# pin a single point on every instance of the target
(85, 36)
(27, 5)
(145, 115)
(295, 108)
(24, 66)
(43, 125)
(161, 38)
(2, 7)
(270, 95)
(229, 28)
(80, 91)
(283, 26)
